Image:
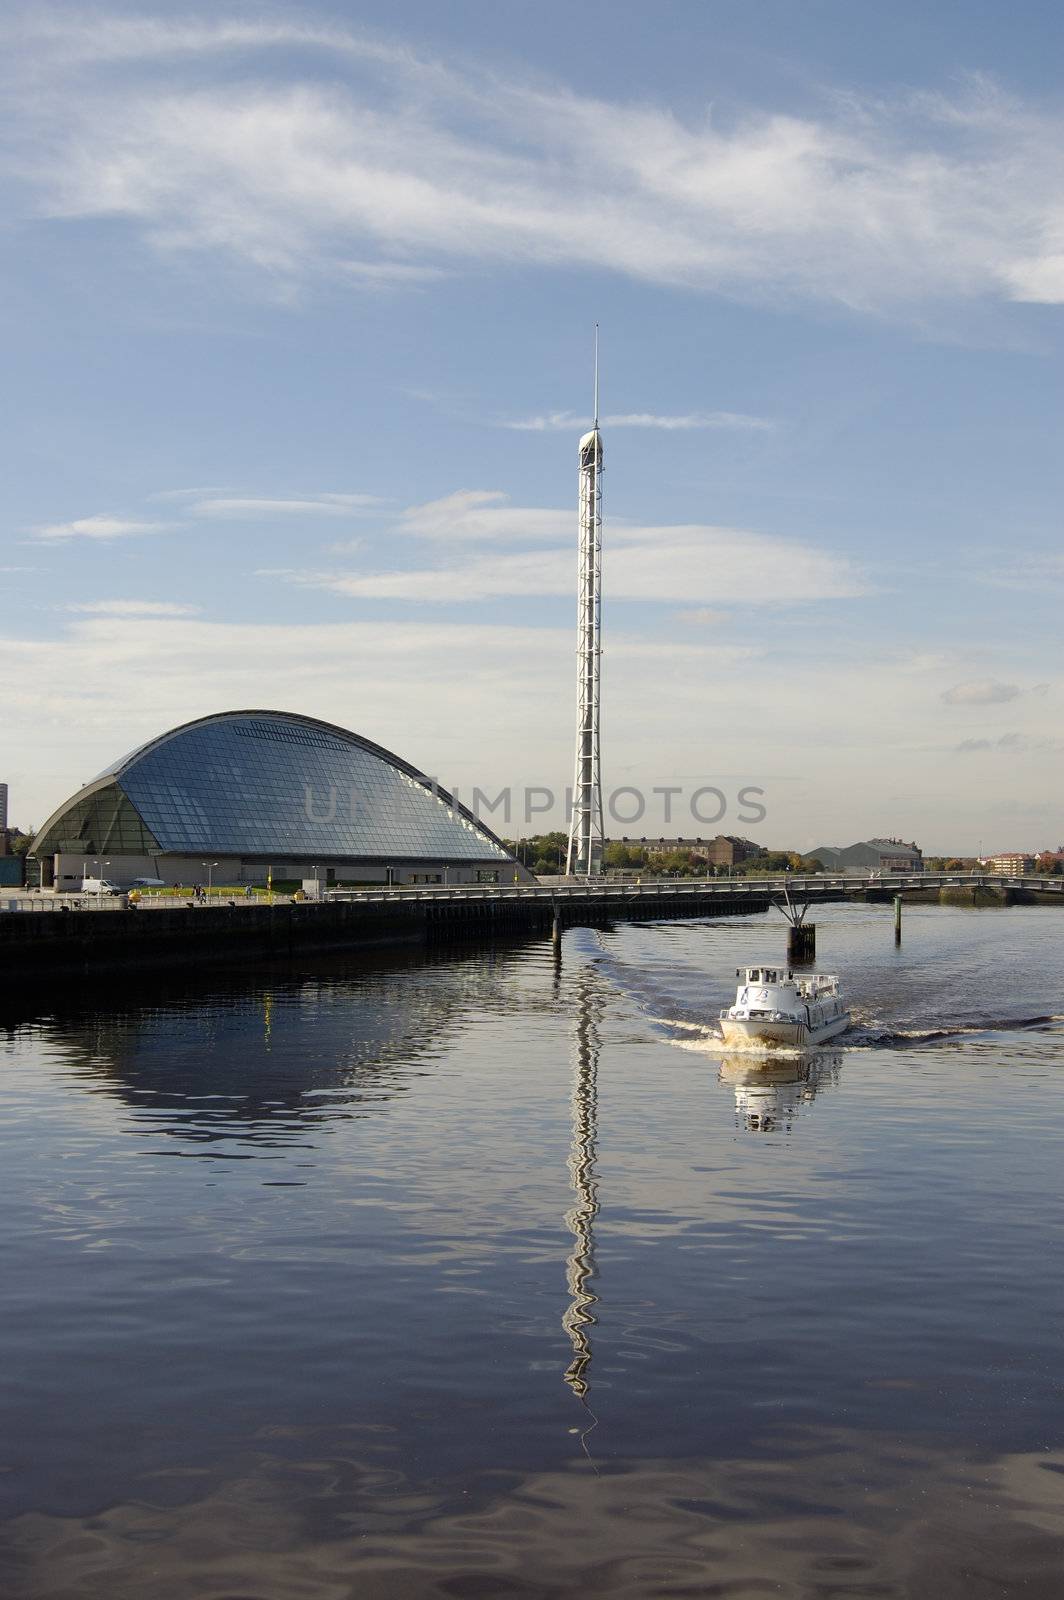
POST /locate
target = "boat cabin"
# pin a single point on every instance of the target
(810, 986)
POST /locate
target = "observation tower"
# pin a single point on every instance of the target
(586, 830)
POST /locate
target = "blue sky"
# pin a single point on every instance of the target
(298, 318)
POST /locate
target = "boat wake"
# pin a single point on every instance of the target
(874, 1036)
(705, 1039)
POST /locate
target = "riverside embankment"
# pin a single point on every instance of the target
(55, 939)
(55, 942)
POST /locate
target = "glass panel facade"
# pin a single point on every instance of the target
(261, 786)
(100, 823)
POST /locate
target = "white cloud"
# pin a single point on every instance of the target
(483, 514)
(332, 152)
(652, 564)
(683, 562)
(190, 494)
(344, 547)
(134, 608)
(568, 421)
(703, 617)
(459, 699)
(981, 692)
(98, 527)
(323, 505)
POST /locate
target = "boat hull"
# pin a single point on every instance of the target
(754, 1030)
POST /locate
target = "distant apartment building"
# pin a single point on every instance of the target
(1010, 864)
(725, 850)
(872, 855)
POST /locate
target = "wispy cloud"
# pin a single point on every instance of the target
(344, 547)
(481, 515)
(981, 692)
(321, 505)
(688, 562)
(97, 527)
(133, 608)
(1009, 744)
(703, 617)
(568, 421)
(1028, 574)
(332, 152)
(191, 494)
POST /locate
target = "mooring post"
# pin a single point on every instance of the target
(897, 919)
(556, 925)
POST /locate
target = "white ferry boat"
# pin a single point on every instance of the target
(773, 1006)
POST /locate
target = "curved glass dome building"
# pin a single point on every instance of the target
(247, 792)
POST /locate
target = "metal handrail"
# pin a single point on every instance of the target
(815, 887)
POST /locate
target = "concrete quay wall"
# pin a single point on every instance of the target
(57, 943)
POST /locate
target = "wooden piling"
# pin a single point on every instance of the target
(897, 919)
(801, 943)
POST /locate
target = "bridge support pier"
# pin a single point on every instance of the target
(801, 944)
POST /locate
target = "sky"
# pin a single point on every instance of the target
(297, 318)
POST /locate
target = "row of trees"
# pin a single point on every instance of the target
(544, 854)
(1048, 864)
(695, 863)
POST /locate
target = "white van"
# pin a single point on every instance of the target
(100, 886)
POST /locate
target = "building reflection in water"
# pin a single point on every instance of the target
(208, 1060)
(579, 1318)
(771, 1092)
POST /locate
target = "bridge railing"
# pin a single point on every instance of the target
(819, 887)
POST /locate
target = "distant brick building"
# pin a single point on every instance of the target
(725, 850)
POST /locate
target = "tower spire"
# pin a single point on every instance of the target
(586, 828)
(595, 423)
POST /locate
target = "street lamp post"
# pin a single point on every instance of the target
(210, 866)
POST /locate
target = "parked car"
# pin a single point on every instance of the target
(100, 886)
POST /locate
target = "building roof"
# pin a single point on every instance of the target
(268, 784)
(864, 853)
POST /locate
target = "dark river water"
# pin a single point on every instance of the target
(479, 1274)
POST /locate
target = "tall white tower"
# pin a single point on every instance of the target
(586, 831)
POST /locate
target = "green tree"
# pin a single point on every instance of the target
(619, 854)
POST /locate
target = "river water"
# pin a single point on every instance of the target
(486, 1274)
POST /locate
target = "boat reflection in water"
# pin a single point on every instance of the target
(772, 1091)
(579, 1317)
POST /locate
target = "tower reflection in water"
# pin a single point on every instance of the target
(579, 1318)
(771, 1093)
